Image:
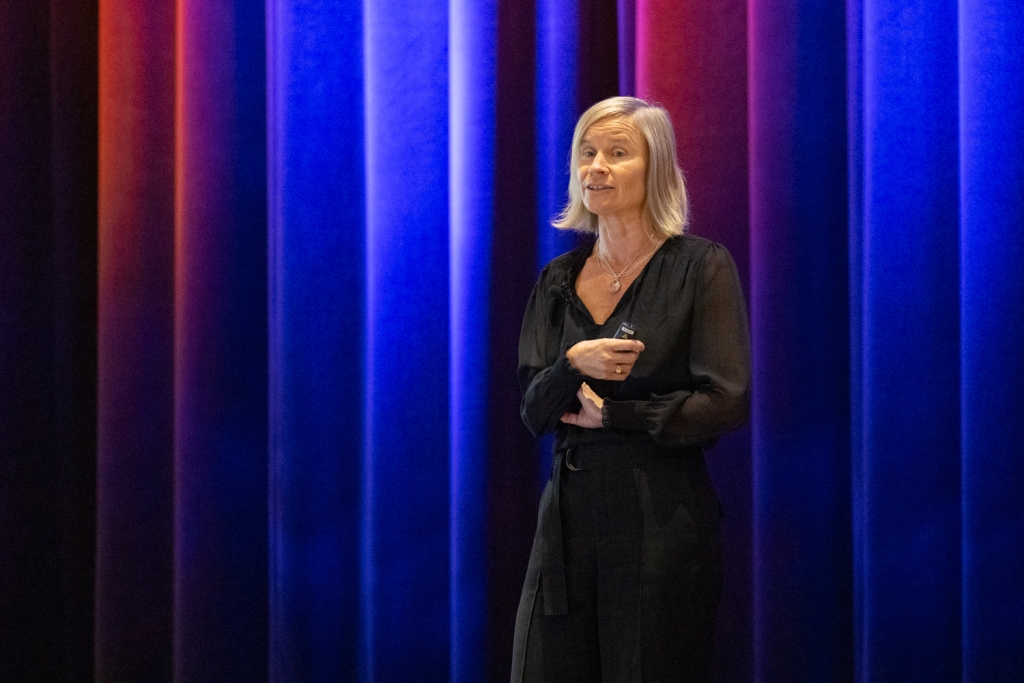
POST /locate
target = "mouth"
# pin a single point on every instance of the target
(596, 188)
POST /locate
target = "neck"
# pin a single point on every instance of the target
(622, 237)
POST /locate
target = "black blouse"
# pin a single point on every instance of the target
(691, 383)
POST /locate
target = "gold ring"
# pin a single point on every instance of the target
(618, 369)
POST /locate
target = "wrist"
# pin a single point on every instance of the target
(570, 356)
(564, 374)
(631, 415)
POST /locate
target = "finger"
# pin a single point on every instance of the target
(622, 357)
(570, 418)
(627, 346)
(593, 403)
(620, 368)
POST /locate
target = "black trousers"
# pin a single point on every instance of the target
(643, 572)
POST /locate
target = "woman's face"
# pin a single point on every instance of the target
(613, 168)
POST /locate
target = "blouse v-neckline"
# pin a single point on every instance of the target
(627, 294)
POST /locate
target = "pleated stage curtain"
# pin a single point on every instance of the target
(316, 260)
(800, 324)
(134, 588)
(991, 208)
(262, 271)
(906, 458)
(48, 85)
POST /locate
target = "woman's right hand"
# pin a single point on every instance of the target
(605, 358)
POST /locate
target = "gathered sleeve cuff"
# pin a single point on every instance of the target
(629, 415)
(563, 375)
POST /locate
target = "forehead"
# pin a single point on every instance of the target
(618, 128)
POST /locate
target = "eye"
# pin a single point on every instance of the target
(588, 153)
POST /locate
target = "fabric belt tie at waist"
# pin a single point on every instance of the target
(552, 553)
(594, 456)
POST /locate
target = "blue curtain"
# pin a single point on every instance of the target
(991, 208)
(316, 260)
(906, 458)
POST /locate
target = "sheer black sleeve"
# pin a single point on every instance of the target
(719, 364)
(548, 382)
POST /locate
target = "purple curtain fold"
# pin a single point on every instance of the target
(135, 428)
(513, 466)
(220, 331)
(801, 432)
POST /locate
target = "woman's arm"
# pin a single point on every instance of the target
(719, 365)
(548, 381)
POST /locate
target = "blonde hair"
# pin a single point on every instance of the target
(666, 208)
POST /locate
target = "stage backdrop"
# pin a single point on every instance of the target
(262, 269)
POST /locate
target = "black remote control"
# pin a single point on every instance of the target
(625, 331)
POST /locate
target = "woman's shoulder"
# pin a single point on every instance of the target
(691, 247)
(560, 266)
(689, 258)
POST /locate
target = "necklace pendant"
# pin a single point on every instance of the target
(614, 286)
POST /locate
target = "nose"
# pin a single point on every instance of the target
(598, 165)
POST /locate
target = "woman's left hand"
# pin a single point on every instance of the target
(590, 414)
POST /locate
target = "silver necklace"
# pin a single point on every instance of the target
(615, 285)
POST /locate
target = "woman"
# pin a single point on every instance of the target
(626, 569)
